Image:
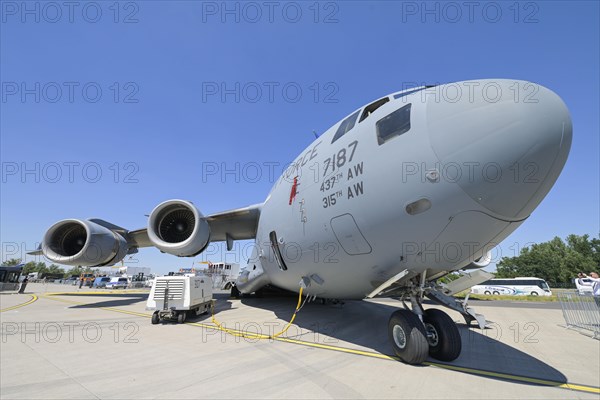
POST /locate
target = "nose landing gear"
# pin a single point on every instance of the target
(408, 337)
(442, 335)
(418, 333)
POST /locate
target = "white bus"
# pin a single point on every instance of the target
(513, 287)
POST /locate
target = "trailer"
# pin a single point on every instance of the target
(9, 277)
(176, 297)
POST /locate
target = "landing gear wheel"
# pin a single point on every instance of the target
(408, 337)
(155, 318)
(443, 336)
(181, 317)
(235, 292)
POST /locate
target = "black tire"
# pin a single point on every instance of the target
(407, 336)
(181, 317)
(235, 292)
(496, 293)
(444, 339)
(155, 318)
(534, 293)
(487, 293)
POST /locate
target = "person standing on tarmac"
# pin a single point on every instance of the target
(23, 285)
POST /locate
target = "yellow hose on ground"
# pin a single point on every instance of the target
(258, 335)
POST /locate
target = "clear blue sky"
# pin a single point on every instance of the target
(159, 122)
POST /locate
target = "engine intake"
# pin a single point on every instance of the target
(177, 227)
(83, 243)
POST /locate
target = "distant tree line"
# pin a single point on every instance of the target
(557, 261)
(51, 269)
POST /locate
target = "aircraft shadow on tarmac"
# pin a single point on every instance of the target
(365, 324)
(125, 299)
(122, 299)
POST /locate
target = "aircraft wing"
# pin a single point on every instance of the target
(237, 224)
(115, 242)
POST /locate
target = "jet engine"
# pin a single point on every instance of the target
(177, 227)
(481, 262)
(83, 243)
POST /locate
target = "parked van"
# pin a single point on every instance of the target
(101, 282)
(117, 283)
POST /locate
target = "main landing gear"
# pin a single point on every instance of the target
(417, 333)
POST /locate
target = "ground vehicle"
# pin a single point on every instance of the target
(33, 276)
(101, 281)
(583, 289)
(174, 297)
(514, 287)
(9, 277)
(88, 279)
(117, 283)
(51, 277)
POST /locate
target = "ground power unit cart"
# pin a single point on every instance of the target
(176, 297)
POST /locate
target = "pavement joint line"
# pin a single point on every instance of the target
(31, 300)
(473, 371)
(97, 293)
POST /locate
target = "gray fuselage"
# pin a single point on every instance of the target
(434, 193)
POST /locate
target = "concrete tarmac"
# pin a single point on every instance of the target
(100, 344)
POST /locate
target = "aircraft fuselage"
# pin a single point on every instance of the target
(423, 182)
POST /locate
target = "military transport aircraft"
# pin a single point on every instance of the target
(391, 198)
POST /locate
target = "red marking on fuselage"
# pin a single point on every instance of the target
(294, 190)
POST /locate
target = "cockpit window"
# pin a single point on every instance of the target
(370, 109)
(345, 126)
(394, 124)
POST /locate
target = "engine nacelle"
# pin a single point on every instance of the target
(481, 262)
(83, 243)
(177, 227)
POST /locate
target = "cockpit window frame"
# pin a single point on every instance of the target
(371, 108)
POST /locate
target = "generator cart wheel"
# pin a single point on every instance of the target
(155, 318)
(181, 317)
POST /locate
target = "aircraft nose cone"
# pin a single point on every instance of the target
(505, 141)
